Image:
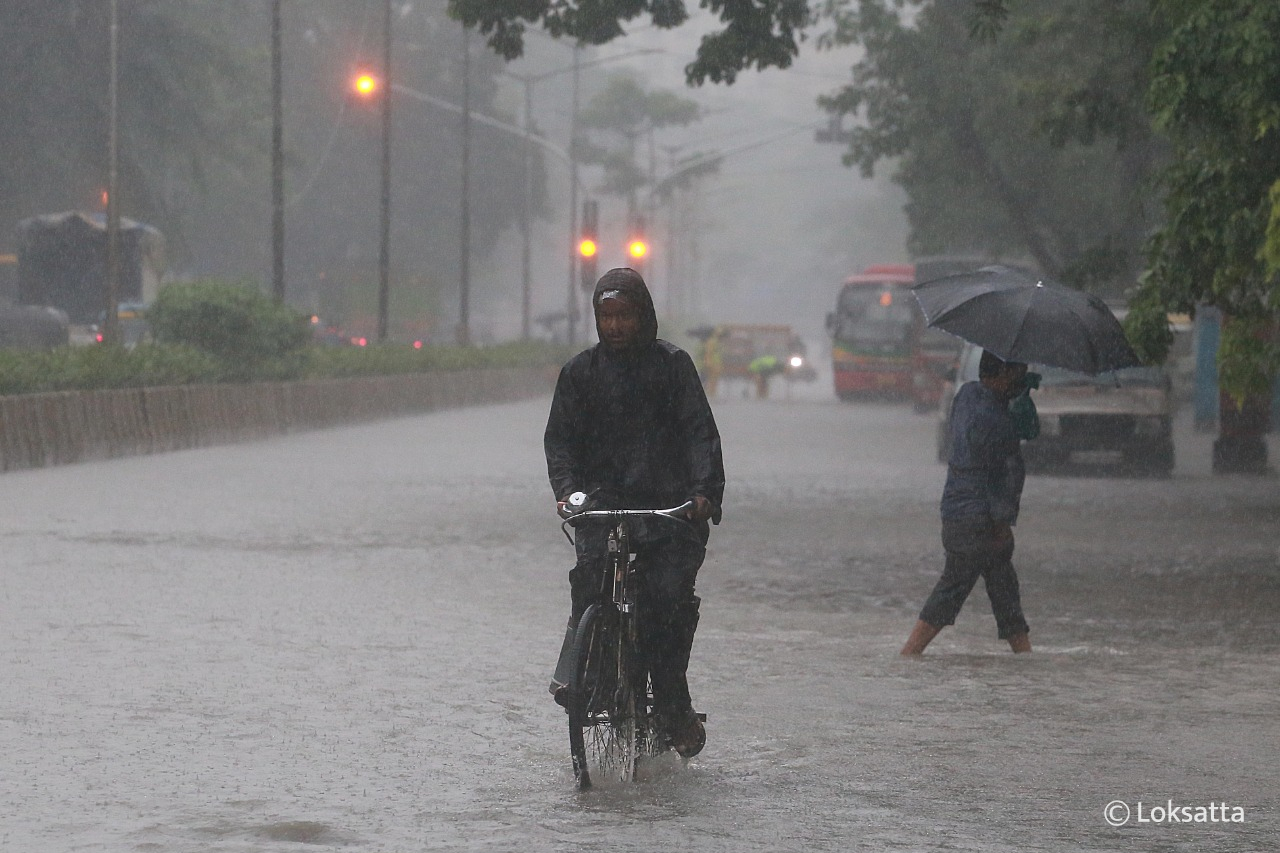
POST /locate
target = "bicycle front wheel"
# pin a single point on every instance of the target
(603, 733)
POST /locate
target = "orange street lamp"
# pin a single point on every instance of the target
(366, 84)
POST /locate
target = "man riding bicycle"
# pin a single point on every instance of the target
(631, 427)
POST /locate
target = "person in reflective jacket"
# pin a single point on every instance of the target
(630, 426)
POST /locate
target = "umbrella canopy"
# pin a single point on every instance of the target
(1021, 318)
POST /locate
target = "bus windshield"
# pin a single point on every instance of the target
(875, 319)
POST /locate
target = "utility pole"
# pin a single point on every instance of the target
(277, 157)
(571, 305)
(464, 288)
(384, 241)
(526, 285)
(111, 326)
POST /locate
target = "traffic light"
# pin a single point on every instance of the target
(637, 244)
(637, 249)
(589, 245)
(366, 85)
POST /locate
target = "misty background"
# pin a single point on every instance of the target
(766, 237)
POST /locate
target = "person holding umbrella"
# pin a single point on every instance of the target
(980, 504)
(1016, 317)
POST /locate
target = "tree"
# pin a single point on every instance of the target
(195, 129)
(1216, 92)
(1030, 143)
(180, 121)
(332, 191)
(624, 112)
(761, 34)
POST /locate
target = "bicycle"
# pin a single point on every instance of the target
(612, 722)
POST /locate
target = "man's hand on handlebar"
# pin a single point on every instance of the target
(701, 509)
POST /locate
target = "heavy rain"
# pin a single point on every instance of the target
(327, 621)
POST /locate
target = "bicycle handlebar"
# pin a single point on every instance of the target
(675, 513)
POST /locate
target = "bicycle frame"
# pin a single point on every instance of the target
(619, 542)
(621, 728)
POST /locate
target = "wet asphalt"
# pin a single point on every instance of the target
(340, 640)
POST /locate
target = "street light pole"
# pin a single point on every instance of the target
(569, 156)
(571, 304)
(277, 157)
(464, 289)
(111, 326)
(526, 286)
(384, 241)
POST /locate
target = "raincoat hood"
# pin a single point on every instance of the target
(630, 287)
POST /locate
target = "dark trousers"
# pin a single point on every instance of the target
(664, 597)
(972, 551)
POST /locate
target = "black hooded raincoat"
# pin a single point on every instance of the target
(633, 427)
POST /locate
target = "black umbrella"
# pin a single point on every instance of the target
(1022, 318)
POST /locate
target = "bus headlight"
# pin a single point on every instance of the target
(797, 361)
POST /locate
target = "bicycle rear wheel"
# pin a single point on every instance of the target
(604, 736)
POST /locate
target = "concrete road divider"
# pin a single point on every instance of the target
(38, 430)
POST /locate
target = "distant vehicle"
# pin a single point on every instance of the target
(62, 262)
(134, 327)
(1121, 420)
(328, 334)
(934, 357)
(874, 332)
(740, 345)
(881, 345)
(32, 327)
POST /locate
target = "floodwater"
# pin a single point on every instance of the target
(341, 640)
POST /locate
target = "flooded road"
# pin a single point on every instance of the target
(341, 640)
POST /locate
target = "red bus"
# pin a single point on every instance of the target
(880, 345)
(874, 331)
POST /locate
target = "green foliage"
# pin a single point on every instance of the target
(761, 34)
(195, 132)
(1271, 249)
(235, 323)
(1216, 92)
(100, 367)
(180, 120)
(1248, 357)
(388, 359)
(623, 112)
(1031, 141)
(1147, 328)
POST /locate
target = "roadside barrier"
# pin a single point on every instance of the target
(39, 430)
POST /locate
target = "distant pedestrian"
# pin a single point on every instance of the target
(762, 369)
(713, 360)
(980, 503)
